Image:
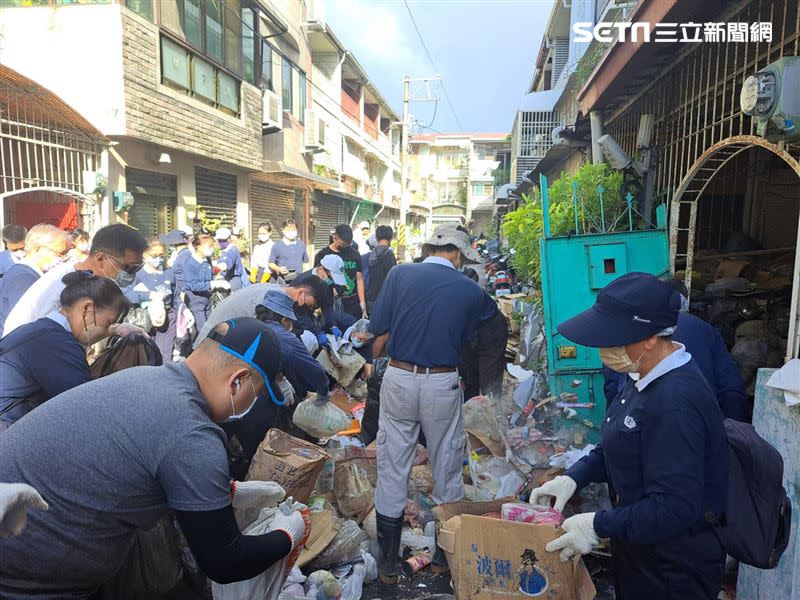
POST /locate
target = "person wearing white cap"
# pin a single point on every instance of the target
(427, 311)
(361, 236)
(230, 263)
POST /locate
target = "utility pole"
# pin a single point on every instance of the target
(409, 96)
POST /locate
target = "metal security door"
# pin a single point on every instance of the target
(216, 195)
(268, 203)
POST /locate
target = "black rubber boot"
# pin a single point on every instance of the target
(389, 532)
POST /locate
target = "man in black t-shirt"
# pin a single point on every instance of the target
(354, 298)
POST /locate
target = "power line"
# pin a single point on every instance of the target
(433, 64)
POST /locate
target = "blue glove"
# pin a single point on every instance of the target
(322, 339)
(336, 332)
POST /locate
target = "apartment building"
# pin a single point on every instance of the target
(454, 175)
(203, 103)
(354, 138)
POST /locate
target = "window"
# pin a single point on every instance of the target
(233, 34)
(192, 20)
(477, 189)
(184, 70)
(142, 7)
(301, 114)
(266, 67)
(249, 45)
(286, 84)
(214, 17)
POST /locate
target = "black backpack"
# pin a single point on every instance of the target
(755, 529)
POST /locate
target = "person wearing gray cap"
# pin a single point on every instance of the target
(427, 312)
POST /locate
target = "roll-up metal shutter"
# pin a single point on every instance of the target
(155, 197)
(330, 212)
(216, 194)
(272, 204)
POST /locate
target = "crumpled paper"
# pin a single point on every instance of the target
(787, 379)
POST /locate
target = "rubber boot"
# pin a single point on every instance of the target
(389, 532)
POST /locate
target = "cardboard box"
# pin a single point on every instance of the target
(491, 559)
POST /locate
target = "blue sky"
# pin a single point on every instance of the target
(484, 50)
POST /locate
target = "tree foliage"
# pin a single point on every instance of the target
(524, 227)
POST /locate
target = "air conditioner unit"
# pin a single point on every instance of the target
(272, 115)
(314, 133)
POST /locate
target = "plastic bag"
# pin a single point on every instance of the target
(125, 352)
(267, 585)
(353, 585)
(566, 459)
(326, 583)
(344, 547)
(153, 566)
(410, 538)
(522, 512)
(369, 423)
(322, 420)
(494, 478)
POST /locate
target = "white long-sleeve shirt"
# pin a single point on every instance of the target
(42, 298)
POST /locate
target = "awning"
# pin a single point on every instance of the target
(505, 194)
(540, 101)
(286, 176)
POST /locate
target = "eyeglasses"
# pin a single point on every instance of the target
(59, 253)
(129, 269)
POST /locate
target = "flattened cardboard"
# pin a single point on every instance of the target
(492, 559)
(324, 528)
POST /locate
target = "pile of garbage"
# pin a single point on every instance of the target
(745, 292)
(517, 440)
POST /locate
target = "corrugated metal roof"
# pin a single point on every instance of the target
(25, 100)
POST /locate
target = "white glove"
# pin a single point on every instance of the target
(15, 499)
(156, 309)
(561, 488)
(259, 494)
(287, 391)
(189, 317)
(220, 284)
(292, 524)
(123, 329)
(579, 538)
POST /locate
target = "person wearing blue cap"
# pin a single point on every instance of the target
(115, 455)
(300, 373)
(704, 342)
(663, 451)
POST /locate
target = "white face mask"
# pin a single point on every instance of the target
(263, 238)
(290, 235)
(240, 416)
(617, 359)
(18, 254)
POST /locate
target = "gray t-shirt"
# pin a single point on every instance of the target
(241, 303)
(110, 457)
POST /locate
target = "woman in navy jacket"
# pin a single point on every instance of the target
(198, 275)
(42, 359)
(663, 451)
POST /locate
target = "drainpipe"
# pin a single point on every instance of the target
(596, 121)
(342, 143)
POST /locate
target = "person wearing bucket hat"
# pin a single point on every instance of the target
(427, 312)
(663, 450)
(168, 454)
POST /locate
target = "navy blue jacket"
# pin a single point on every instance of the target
(430, 312)
(6, 262)
(178, 267)
(232, 259)
(163, 281)
(705, 344)
(13, 285)
(300, 368)
(38, 361)
(663, 450)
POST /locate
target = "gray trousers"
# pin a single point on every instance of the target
(408, 401)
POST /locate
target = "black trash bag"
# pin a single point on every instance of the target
(152, 568)
(369, 423)
(126, 352)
